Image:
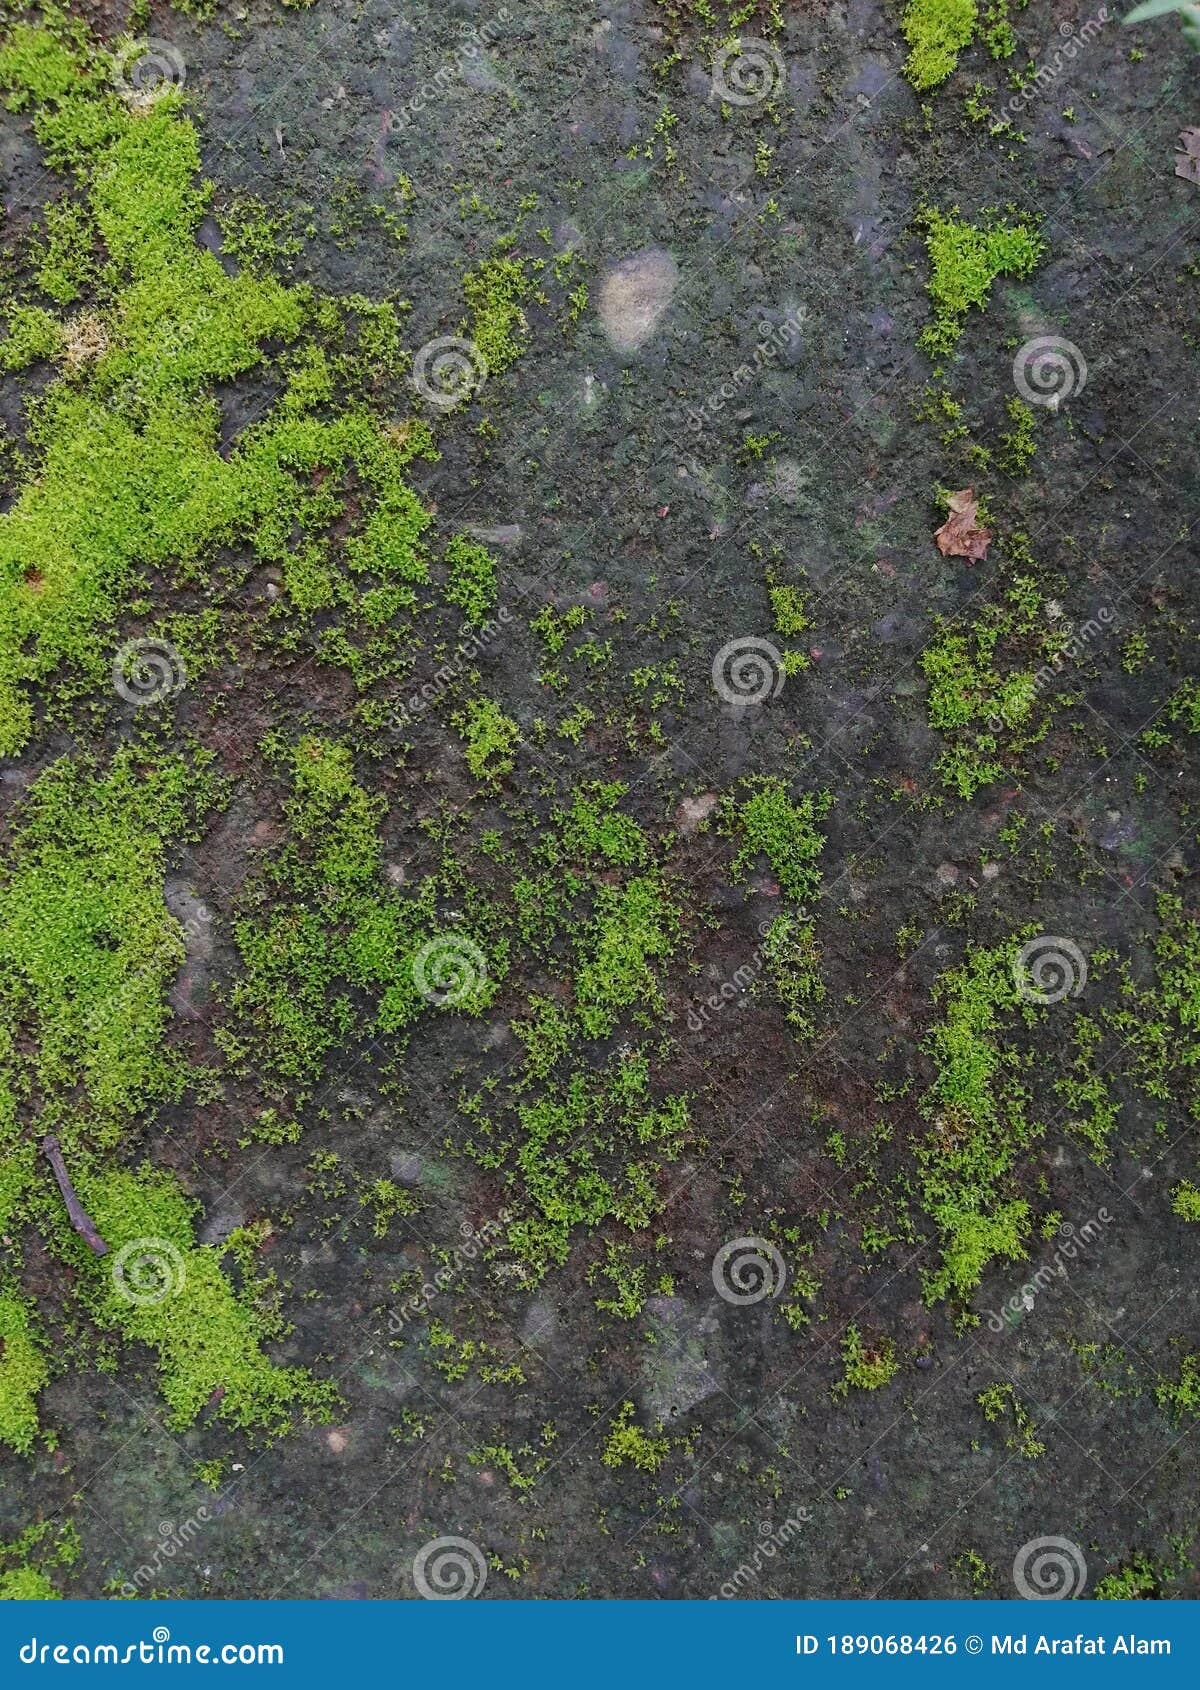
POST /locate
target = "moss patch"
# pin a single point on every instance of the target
(23, 1372)
(170, 1293)
(936, 32)
(27, 1562)
(964, 262)
(766, 822)
(88, 947)
(976, 1108)
(128, 484)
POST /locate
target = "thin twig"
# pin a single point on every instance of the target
(80, 1219)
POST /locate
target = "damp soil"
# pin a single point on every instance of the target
(618, 475)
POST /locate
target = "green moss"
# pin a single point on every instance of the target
(964, 262)
(1185, 1201)
(789, 609)
(976, 1107)
(502, 1458)
(494, 293)
(590, 1148)
(1159, 1026)
(1017, 445)
(966, 690)
(791, 961)
(936, 32)
(767, 823)
(27, 1584)
(88, 947)
(575, 723)
(633, 928)
(87, 952)
(627, 1444)
(472, 579)
(126, 478)
(23, 1372)
(866, 1367)
(385, 1199)
(88, 942)
(26, 1563)
(992, 683)
(33, 337)
(594, 830)
(1184, 706)
(491, 738)
(255, 235)
(998, 31)
(627, 1278)
(1085, 1091)
(127, 494)
(1181, 1397)
(321, 925)
(999, 1402)
(1137, 1581)
(36, 64)
(554, 628)
(170, 1293)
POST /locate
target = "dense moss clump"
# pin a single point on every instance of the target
(627, 1443)
(88, 947)
(491, 738)
(23, 1372)
(964, 262)
(976, 1108)
(936, 32)
(87, 952)
(128, 480)
(173, 1296)
(866, 1367)
(472, 579)
(767, 823)
(494, 293)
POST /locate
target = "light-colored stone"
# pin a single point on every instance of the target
(634, 295)
(680, 1369)
(693, 811)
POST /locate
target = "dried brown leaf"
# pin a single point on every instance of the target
(960, 535)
